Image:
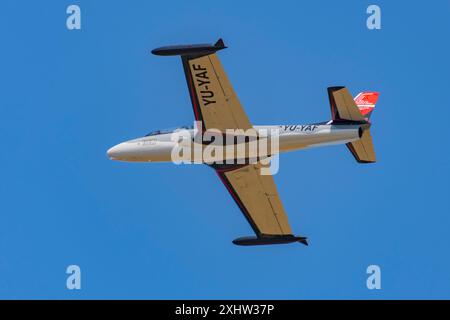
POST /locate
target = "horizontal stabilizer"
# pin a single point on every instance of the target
(343, 107)
(363, 149)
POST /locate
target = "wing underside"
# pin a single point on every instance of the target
(213, 99)
(257, 197)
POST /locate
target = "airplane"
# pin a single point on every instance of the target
(217, 107)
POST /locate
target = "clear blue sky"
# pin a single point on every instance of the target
(165, 231)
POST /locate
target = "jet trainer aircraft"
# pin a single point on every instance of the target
(217, 106)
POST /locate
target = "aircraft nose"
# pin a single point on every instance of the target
(115, 152)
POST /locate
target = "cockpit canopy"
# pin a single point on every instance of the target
(169, 130)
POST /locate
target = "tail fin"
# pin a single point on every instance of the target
(344, 109)
(366, 103)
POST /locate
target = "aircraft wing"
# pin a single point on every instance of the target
(216, 104)
(257, 197)
(213, 98)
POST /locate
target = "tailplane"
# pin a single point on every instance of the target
(363, 149)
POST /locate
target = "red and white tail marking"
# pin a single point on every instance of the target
(366, 102)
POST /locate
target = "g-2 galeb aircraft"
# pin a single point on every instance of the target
(217, 106)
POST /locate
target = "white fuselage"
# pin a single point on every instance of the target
(160, 147)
